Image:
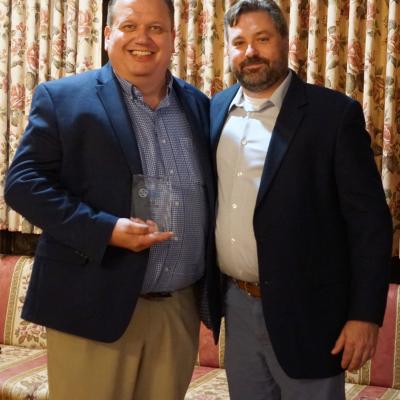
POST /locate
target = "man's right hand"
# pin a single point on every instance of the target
(136, 235)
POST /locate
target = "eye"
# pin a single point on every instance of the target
(238, 43)
(128, 27)
(263, 39)
(156, 29)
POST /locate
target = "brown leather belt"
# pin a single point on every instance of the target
(251, 288)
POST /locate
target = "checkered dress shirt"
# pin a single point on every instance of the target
(166, 149)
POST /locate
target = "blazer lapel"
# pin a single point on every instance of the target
(288, 120)
(110, 95)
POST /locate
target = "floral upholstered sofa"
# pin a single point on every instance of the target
(23, 374)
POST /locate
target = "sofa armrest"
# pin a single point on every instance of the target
(15, 272)
(383, 370)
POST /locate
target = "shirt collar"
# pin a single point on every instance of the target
(276, 99)
(132, 91)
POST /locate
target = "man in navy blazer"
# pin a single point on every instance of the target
(303, 231)
(120, 299)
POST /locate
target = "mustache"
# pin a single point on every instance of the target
(254, 60)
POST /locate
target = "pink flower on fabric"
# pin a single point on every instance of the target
(85, 22)
(33, 57)
(354, 56)
(17, 97)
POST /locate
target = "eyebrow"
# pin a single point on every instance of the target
(264, 32)
(151, 23)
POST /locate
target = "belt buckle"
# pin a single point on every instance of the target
(246, 288)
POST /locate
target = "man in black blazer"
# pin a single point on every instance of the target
(303, 231)
(120, 299)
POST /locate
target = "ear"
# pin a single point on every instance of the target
(107, 32)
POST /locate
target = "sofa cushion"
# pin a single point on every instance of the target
(363, 392)
(23, 373)
(15, 272)
(208, 384)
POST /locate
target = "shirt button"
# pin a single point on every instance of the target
(177, 203)
(166, 269)
(233, 240)
(171, 171)
(244, 142)
(240, 173)
(234, 205)
(163, 141)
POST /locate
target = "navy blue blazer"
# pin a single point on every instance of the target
(71, 176)
(321, 223)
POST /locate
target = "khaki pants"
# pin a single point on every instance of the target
(153, 360)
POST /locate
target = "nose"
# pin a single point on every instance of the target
(251, 50)
(141, 35)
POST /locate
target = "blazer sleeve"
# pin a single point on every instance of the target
(367, 217)
(34, 189)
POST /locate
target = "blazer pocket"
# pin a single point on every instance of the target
(56, 251)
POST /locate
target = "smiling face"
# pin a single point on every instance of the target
(258, 53)
(140, 41)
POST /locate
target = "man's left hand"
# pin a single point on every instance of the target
(358, 342)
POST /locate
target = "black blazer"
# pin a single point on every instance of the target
(321, 223)
(71, 176)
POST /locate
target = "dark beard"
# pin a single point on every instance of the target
(263, 78)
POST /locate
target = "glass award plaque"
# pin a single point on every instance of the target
(152, 199)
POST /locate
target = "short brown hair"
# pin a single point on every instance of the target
(245, 6)
(111, 4)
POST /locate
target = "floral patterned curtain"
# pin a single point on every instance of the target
(348, 45)
(39, 40)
